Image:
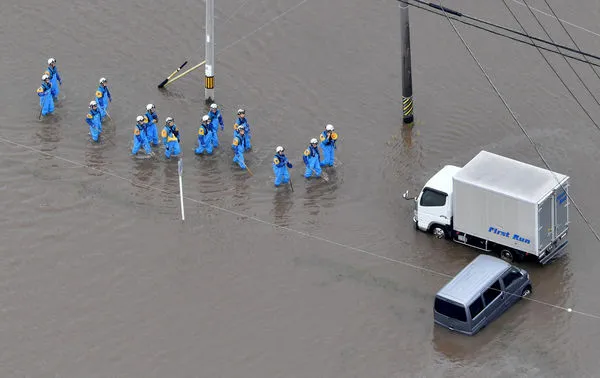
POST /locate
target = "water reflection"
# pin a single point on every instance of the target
(95, 160)
(170, 197)
(406, 133)
(48, 135)
(283, 201)
(241, 191)
(460, 348)
(143, 171)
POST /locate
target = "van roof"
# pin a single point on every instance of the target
(468, 283)
(509, 177)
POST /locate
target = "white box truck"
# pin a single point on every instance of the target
(498, 205)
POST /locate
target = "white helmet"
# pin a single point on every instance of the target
(329, 127)
(93, 103)
(213, 105)
(313, 141)
(241, 111)
(140, 118)
(149, 106)
(169, 119)
(102, 80)
(44, 77)
(51, 60)
(205, 118)
(279, 149)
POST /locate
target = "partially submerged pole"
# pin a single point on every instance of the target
(407, 100)
(209, 68)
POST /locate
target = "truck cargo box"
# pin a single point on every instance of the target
(510, 203)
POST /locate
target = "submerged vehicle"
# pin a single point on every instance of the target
(499, 205)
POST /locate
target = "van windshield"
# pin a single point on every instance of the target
(450, 310)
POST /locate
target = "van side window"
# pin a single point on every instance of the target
(450, 310)
(492, 293)
(432, 197)
(476, 307)
(510, 277)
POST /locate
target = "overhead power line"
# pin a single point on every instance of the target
(569, 34)
(516, 32)
(514, 117)
(554, 70)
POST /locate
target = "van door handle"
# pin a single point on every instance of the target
(443, 216)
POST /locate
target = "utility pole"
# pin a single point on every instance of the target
(209, 68)
(407, 100)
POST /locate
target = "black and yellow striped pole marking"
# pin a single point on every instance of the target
(209, 82)
(407, 109)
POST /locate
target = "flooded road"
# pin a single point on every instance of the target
(99, 277)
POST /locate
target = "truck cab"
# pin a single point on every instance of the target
(433, 205)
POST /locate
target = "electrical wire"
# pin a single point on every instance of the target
(569, 34)
(521, 127)
(554, 70)
(549, 37)
(285, 228)
(504, 35)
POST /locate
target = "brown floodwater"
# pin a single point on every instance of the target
(100, 278)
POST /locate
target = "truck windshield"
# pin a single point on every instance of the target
(450, 310)
(431, 197)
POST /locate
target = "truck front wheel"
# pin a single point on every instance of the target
(507, 255)
(438, 231)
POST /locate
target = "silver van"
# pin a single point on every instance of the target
(479, 293)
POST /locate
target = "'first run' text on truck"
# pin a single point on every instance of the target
(497, 204)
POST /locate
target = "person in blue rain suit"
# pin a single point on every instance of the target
(55, 79)
(171, 138)
(242, 121)
(103, 97)
(238, 145)
(139, 137)
(151, 119)
(312, 159)
(45, 94)
(216, 120)
(280, 167)
(328, 140)
(93, 120)
(204, 142)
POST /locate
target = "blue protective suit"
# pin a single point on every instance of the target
(204, 142)
(329, 147)
(54, 80)
(93, 120)
(238, 145)
(140, 140)
(151, 120)
(216, 120)
(171, 138)
(312, 160)
(46, 100)
(102, 98)
(248, 135)
(280, 169)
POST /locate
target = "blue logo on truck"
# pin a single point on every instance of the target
(508, 235)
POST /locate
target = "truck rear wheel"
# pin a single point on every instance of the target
(507, 255)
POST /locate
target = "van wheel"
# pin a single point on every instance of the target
(526, 292)
(507, 255)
